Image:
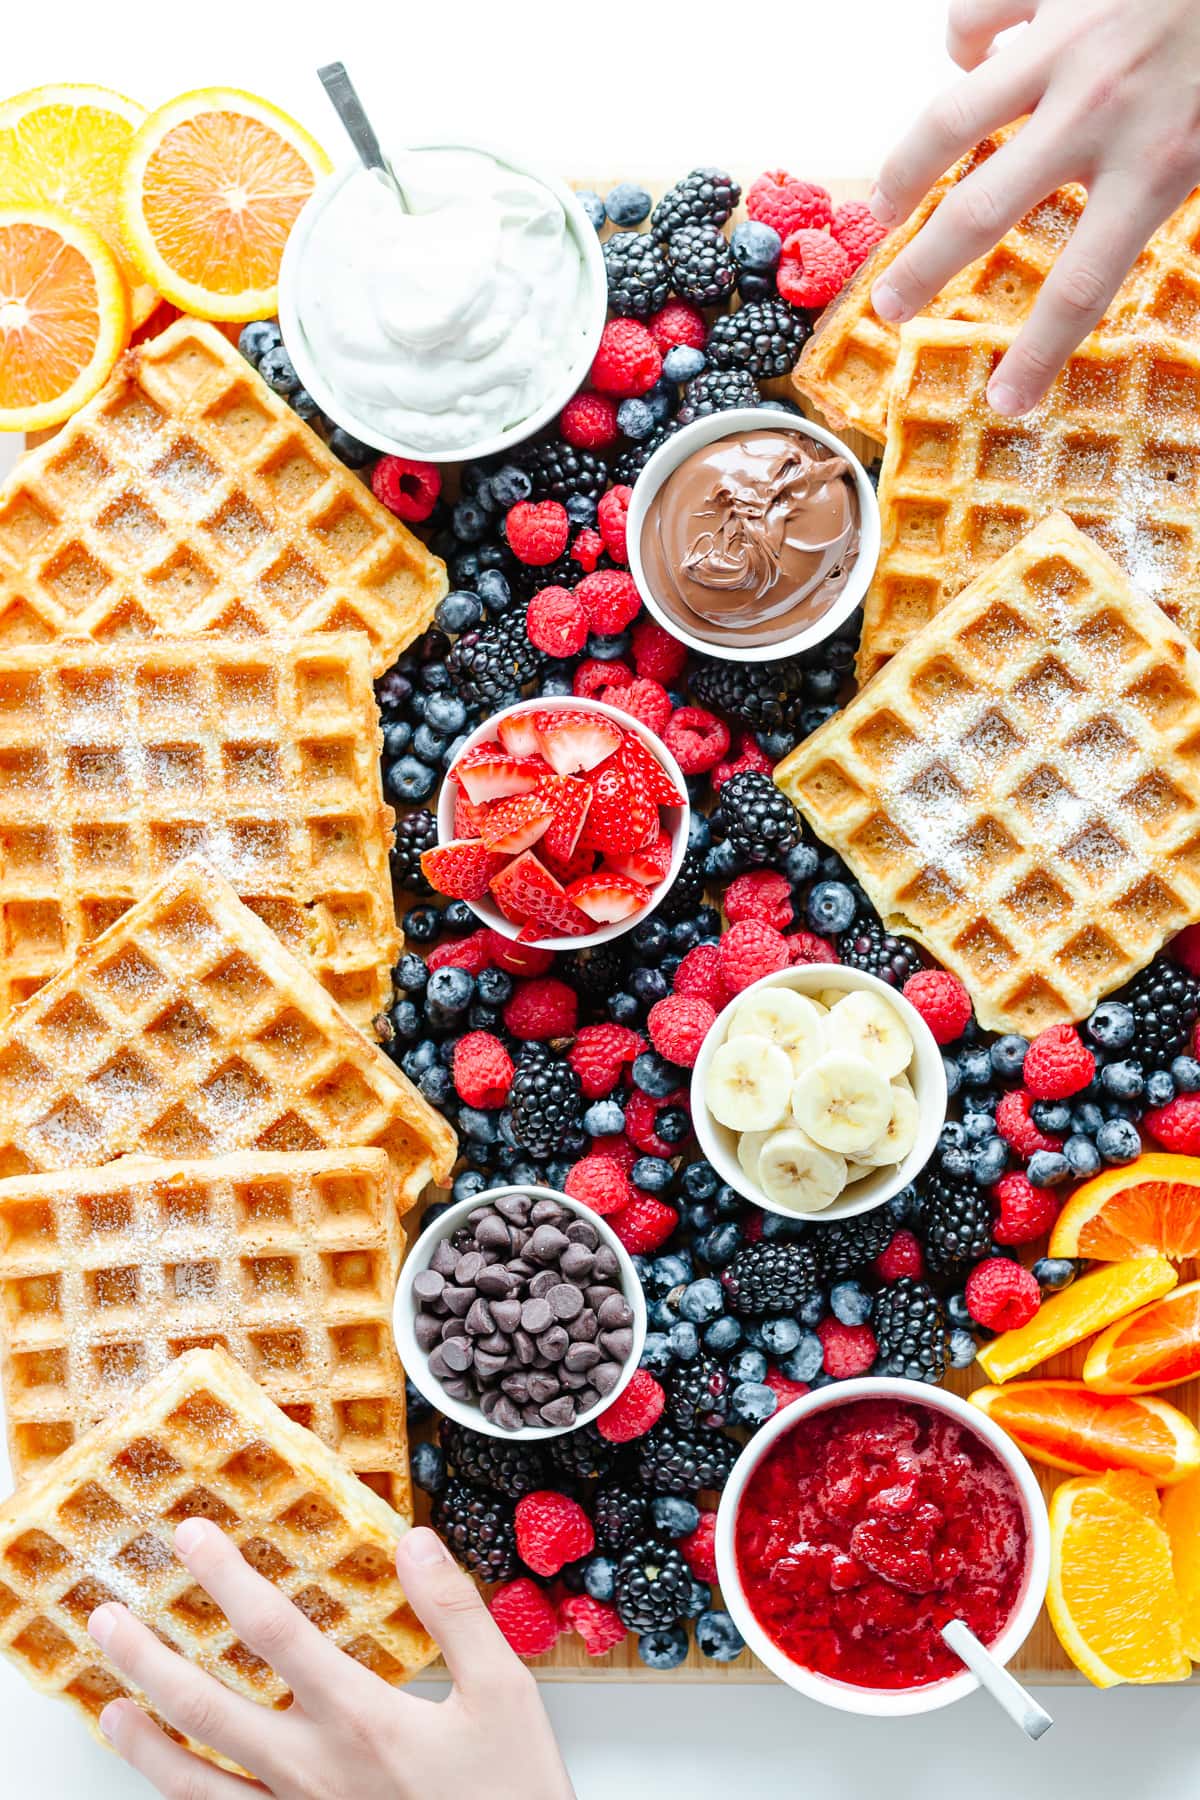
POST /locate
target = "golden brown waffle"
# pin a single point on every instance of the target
(186, 497)
(187, 1030)
(1018, 789)
(1115, 444)
(118, 759)
(289, 1262)
(199, 1440)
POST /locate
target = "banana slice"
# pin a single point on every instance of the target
(796, 1173)
(900, 1133)
(749, 1084)
(843, 1102)
(855, 1171)
(865, 1025)
(829, 997)
(749, 1147)
(785, 1018)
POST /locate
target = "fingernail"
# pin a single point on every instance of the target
(190, 1535)
(423, 1546)
(881, 206)
(101, 1625)
(109, 1720)
(1004, 398)
(887, 302)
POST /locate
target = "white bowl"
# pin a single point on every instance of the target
(927, 1073)
(334, 404)
(415, 1360)
(677, 449)
(883, 1702)
(680, 816)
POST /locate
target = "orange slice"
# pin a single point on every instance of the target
(1156, 1347)
(1181, 1517)
(1066, 1425)
(1112, 1597)
(1148, 1207)
(64, 316)
(1088, 1305)
(213, 184)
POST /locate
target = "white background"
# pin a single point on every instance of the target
(621, 86)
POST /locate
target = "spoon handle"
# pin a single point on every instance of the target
(349, 108)
(1004, 1688)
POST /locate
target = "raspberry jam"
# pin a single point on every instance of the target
(868, 1527)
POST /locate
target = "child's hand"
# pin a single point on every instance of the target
(1113, 87)
(347, 1733)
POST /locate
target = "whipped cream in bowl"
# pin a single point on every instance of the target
(455, 329)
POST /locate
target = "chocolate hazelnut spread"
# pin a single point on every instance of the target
(753, 537)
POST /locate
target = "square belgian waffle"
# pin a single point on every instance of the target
(116, 760)
(1019, 789)
(199, 1440)
(188, 1030)
(289, 1262)
(188, 496)
(1115, 444)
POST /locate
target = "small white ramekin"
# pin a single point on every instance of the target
(677, 449)
(927, 1074)
(883, 1703)
(680, 817)
(334, 404)
(415, 1360)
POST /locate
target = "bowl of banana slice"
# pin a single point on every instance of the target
(819, 1092)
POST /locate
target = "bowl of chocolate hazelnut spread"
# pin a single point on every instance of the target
(753, 534)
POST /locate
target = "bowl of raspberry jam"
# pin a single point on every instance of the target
(861, 1520)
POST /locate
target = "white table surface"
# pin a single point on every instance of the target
(627, 86)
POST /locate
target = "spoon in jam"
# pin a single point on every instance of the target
(1004, 1688)
(359, 129)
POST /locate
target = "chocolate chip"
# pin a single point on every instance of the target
(576, 1262)
(546, 1245)
(524, 1346)
(582, 1231)
(427, 1330)
(543, 1387)
(543, 1281)
(437, 1362)
(428, 1285)
(489, 1364)
(458, 1387)
(459, 1300)
(493, 1234)
(514, 1208)
(553, 1343)
(494, 1344)
(605, 1377)
(606, 1266)
(520, 1265)
(452, 1328)
(545, 1212)
(517, 1386)
(506, 1414)
(614, 1312)
(458, 1354)
(618, 1343)
(583, 1329)
(560, 1411)
(566, 1301)
(586, 1398)
(477, 1215)
(488, 1402)
(495, 1281)
(479, 1321)
(444, 1259)
(579, 1358)
(570, 1380)
(535, 1316)
(597, 1293)
(467, 1268)
(507, 1314)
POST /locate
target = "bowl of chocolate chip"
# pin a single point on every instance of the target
(519, 1313)
(752, 534)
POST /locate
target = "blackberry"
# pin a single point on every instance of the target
(415, 832)
(702, 267)
(705, 197)
(583, 1454)
(756, 818)
(509, 1467)
(543, 1101)
(956, 1222)
(493, 665)
(674, 1461)
(620, 1515)
(764, 338)
(776, 1275)
(910, 1329)
(716, 390)
(653, 1586)
(686, 892)
(596, 973)
(867, 946)
(697, 1393)
(764, 696)
(1165, 1002)
(528, 579)
(846, 1245)
(638, 277)
(478, 1529)
(634, 457)
(558, 470)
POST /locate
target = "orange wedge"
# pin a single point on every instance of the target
(1067, 1426)
(1148, 1207)
(1181, 1517)
(64, 316)
(212, 186)
(1112, 1597)
(1156, 1347)
(1088, 1305)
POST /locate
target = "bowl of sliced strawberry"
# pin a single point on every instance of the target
(561, 823)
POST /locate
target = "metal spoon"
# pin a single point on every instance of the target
(359, 129)
(1004, 1688)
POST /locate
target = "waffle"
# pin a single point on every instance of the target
(289, 1262)
(1019, 789)
(118, 759)
(200, 1439)
(186, 497)
(188, 1030)
(1116, 445)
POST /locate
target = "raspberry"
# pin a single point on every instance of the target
(699, 1548)
(1015, 1124)
(589, 421)
(1177, 1124)
(1185, 949)
(761, 895)
(552, 1530)
(611, 599)
(656, 653)
(748, 756)
(407, 488)
(700, 973)
(483, 1069)
(807, 947)
(646, 701)
(598, 1054)
(786, 1390)
(542, 1008)
(472, 953)
(627, 360)
(592, 675)
(601, 1183)
(696, 739)
(1058, 1063)
(587, 549)
(537, 533)
(679, 1025)
(633, 1413)
(788, 204)
(902, 1257)
(514, 959)
(595, 1622)
(1001, 1295)
(1026, 1213)
(813, 269)
(647, 1224)
(640, 1113)
(678, 323)
(849, 1349)
(556, 622)
(748, 951)
(857, 230)
(611, 512)
(526, 1616)
(942, 1001)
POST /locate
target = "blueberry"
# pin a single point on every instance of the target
(406, 1022)
(699, 1218)
(556, 684)
(656, 1353)
(801, 864)
(661, 1315)
(1118, 1142)
(978, 1126)
(831, 907)
(755, 246)
(278, 370)
(684, 1340)
(1081, 1154)
(699, 1600)
(723, 1335)
(593, 206)
(350, 450)
(623, 1009)
(459, 611)
(961, 1348)
(421, 924)
(953, 1077)
(665, 1648)
(427, 744)
(410, 781)
(661, 400)
(957, 1310)
(655, 1075)
(607, 646)
(905, 1207)
(1008, 1056)
(449, 992)
(975, 1067)
(416, 1405)
(753, 1402)
(1185, 1072)
(1053, 1273)
(650, 939)
(493, 589)
(652, 1173)
(509, 485)
(437, 1085)
(674, 1516)
(627, 204)
(600, 1577)
(255, 339)
(649, 986)
(445, 713)
(411, 974)
(1112, 1025)
(580, 509)
(1087, 1119)
(682, 363)
(474, 1123)
(468, 1184)
(699, 832)
(953, 1135)
(718, 1638)
(730, 1204)
(702, 1300)
(1160, 1088)
(458, 916)
(755, 285)
(304, 406)
(956, 1163)
(850, 1302)
(806, 1360)
(604, 1118)
(1053, 1116)
(748, 1365)
(635, 419)
(685, 934)
(494, 986)
(1123, 1080)
(781, 1336)
(810, 1312)
(721, 861)
(1047, 1168)
(429, 1468)
(673, 1124)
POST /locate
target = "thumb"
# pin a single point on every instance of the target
(449, 1606)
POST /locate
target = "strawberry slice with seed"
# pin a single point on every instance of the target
(568, 799)
(490, 773)
(619, 817)
(638, 761)
(519, 735)
(648, 864)
(514, 824)
(467, 818)
(462, 869)
(527, 893)
(606, 897)
(581, 862)
(572, 739)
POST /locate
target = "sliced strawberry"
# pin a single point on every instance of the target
(462, 869)
(572, 739)
(518, 734)
(514, 824)
(494, 774)
(568, 799)
(581, 862)
(467, 818)
(648, 864)
(606, 897)
(658, 784)
(616, 821)
(528, 894)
